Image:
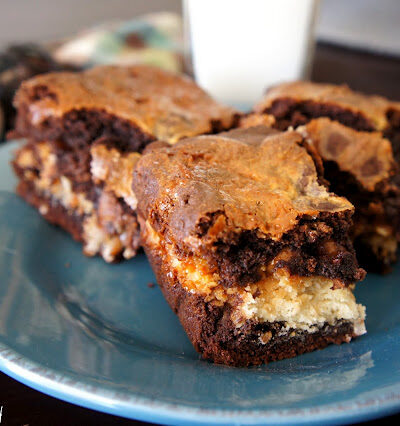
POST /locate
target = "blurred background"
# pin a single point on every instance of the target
(367, 24)
(357, 42)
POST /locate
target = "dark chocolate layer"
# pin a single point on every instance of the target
(313, 248)
(289, 112)
(380, 207)
(386, 195)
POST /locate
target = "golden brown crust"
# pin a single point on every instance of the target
(374, 108)
(258, 178)
(162, 104)
(366, 155)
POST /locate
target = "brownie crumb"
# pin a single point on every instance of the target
(150, 285)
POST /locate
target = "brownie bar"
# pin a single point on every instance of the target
(104, 224)
(296, 103)
(250, 249)
(360, 149)
(361, 167)
(121, 109)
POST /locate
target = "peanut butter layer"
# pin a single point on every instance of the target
(163, 105)
(114, 170)
(365, 155)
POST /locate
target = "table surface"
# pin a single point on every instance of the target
(20, 405)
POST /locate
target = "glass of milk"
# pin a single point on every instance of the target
(240, 47)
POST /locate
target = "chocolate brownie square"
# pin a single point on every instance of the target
(249, 247)
(361, 167)
(359, 142)
(296, 103)
(78, 123)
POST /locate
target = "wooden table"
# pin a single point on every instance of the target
(362, 71)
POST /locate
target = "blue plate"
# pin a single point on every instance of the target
(98, 336)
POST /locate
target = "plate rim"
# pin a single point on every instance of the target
(36, 376)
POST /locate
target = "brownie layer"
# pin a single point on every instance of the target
(376, 220)
(217, 338)
(381, 205)
(292, 113)
(314, 247)
(338, 102)
(244, 199)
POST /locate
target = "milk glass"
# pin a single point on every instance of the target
(240, 47)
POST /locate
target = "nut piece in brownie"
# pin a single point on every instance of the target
(85, 132)
(360, 166)
(250, 249)
(296, 103)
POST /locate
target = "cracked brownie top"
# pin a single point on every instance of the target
(161, 104)
(254, 178)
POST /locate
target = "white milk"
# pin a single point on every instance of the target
(240, 47)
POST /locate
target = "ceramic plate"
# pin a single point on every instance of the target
(99, 336)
